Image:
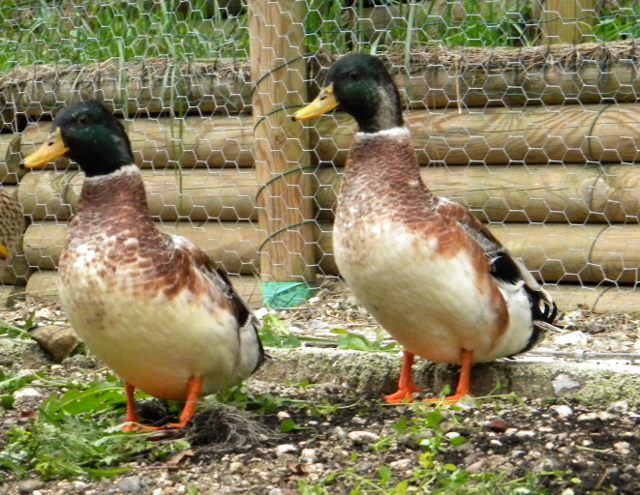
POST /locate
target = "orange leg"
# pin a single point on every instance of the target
(194, 386)
(405, 384)
(466, 362)
(132, 416)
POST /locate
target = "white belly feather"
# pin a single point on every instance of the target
(430, 304)
(154, 344)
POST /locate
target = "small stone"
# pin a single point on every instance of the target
(358, 421)
(27, 393)
(80, 486)
(452, 434)
(276, 491)
(623, 448)
(29, 486)
(282, 415)
(401, 464)
(517, 454)
(339, 432)
(157, 491)
(594, 327)
(309, 455)
(495, 442)
(563, 384)
(316, 467)
(58, 341)
(595, 416)
(130, 484)
(476, 468)
(525, 434)
(562, 411)
(362, 437)
(235, 467)
(285, 448)
(577, 338)
(498, 425)
(621, 406)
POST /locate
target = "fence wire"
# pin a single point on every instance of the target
(523, 110)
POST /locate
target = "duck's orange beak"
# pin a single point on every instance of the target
(5, 254)
(324, 103)
(53, 148)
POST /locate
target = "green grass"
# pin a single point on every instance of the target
(274, 333)
(73, 32)
(77, 434)
(83, 32)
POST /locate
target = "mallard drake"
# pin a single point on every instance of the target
(429, 272)
(11, 226)
(152, 306)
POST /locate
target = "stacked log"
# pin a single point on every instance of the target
(557, 184)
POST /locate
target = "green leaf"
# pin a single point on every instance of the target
(288, 425)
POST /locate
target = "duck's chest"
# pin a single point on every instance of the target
(97, 267)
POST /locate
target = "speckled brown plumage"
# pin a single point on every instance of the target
(131, 254)
(382, 189)
(11, 222)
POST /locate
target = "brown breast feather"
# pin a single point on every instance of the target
(382, 182)
(112, 215)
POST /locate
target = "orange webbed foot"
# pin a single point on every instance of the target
(466, 362)
(402, 396)
(194, 386)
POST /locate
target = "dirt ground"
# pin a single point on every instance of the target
(337, 442)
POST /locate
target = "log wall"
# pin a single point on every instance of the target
(558, 183)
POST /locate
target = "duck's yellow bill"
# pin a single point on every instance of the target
(5, 254)
(50, 150)
(325, 102)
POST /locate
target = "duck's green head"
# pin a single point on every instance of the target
(89, 134)
(360, 85)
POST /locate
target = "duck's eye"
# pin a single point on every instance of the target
(83, 120)
(354, 75)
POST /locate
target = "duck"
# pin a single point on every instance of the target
(428, 271)
(152, 306)
(11, 227)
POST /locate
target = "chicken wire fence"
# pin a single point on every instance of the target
(523, 110)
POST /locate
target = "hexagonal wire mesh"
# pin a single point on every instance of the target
(520, 109)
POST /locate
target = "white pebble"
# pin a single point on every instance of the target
(285, 448)
(361, 437)
(26, 392)
(563, 383)
(563, 411)
(525, 434)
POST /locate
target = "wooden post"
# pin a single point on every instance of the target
(278, 70)
(567, 21)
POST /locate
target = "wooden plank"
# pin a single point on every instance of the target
(599, 299)
(279, 69)
(438, 77)
(44, 285)
(494, 136)
(147, 87)
(550, 193)
(162, 143)
(201, 194)
(567, 21)
(10, 158)
(556, 252)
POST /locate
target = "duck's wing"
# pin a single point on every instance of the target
(222, 285)
(503, 266)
